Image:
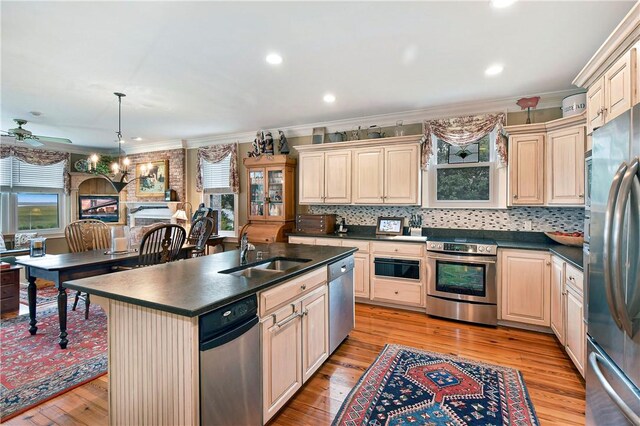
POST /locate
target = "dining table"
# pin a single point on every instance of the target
(59, 268)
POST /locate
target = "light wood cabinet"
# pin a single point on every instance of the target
(525, 286)
(617, 86)
(575, 330)
(361, 275)
(565, 166)
(401, 175)
(368, 176)
(595, 105)
(315, 332)
(526, 169)
(325, 177)
(557, 298)
(281, 358)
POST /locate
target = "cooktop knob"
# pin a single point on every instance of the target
(481, 249)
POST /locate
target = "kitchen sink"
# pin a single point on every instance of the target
(265, 267)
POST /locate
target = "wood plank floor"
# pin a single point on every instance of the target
(555, 386)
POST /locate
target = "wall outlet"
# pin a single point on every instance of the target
(527, 225)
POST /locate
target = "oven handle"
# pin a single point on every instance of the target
(397, 262)
(463, 259)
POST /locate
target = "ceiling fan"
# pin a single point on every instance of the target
(24, 135)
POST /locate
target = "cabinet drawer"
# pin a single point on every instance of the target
(7, 291)
(574, 278)
(397, 292)
(7, 277)
(288, 291)
(398, 248)
(11, 304)
(362, 246)
(336, 242)
(302, 240)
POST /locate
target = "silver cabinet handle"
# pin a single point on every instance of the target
(616, 258)
(608, 241)
(288, 319)
(594, 359)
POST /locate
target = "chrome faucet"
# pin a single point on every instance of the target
(244, 248)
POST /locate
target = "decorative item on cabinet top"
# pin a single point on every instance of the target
(264, 144)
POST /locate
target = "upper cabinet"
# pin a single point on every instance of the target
(270, 184)
(595, 105)
(367, 172)
(546, 162)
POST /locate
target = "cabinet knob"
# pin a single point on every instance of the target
(396, 292)
(581, 195)
(548, 263)
(515, 196)
(303, 287)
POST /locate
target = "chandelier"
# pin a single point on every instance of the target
(120, 167)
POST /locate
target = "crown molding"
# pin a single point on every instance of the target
(625, 35)
(60, 147)
(144, 147)
(547, 100)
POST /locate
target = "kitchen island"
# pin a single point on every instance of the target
(154, 312)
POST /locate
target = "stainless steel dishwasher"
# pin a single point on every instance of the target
(230, 384)
(341, 301)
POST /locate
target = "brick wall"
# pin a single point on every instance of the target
(176, 159)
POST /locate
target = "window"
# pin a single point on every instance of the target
(466, 176)
(32, 197)
(218, 194)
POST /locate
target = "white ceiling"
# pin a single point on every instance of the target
(191, 69)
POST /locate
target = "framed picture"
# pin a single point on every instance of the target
(153, 182)
(390, 225)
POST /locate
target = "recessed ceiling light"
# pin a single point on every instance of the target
(36, 113)
(274, 59)
(493, 70)
(137, 139)
(329, 98)
(499, 4)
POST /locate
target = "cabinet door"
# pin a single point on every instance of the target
(281, 359)
(401, 175)
(337, 178)
(617, 86)
(525, 286)
(257, 193)
(526, 166)
(311, 177)
(368, 173)
(275, 201)
(595, 105)
(565, 166)
(361, 275)
(315, 332)
(575, 341)
(557, 298)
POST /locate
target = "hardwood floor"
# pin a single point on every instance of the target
(555, 386)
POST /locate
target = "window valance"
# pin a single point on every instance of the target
(461, 131)
(215, 154)
(40, 157)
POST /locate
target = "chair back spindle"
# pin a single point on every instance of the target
(161, 244)
(200, 232)
(87, 234)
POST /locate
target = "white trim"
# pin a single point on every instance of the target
(548, 100)
(618, 42)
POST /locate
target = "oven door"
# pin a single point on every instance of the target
(396, 268)
(462, 277)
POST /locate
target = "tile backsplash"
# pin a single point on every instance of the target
(513, 219)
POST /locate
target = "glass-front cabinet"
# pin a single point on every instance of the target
(271, 190)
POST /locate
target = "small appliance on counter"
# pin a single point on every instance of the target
(415, 225)
(342, 229)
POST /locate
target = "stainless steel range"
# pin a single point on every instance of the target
(461, 280)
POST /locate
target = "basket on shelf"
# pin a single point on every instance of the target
(567, 240)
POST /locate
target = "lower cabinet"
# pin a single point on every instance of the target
(361, 275)
(525, 286)
(557, 298)
(295, 343)
(575, 332)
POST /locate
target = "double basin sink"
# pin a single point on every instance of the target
(265, 267)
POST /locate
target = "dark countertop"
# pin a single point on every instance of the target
(525, 240)
(194, 286)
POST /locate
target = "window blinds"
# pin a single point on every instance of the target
(15, 173)
(215, 176)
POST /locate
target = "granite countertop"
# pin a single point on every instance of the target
(195, 286)
(525, 240)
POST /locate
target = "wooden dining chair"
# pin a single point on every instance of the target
(199, 234)
(85, 235)
(161, 244)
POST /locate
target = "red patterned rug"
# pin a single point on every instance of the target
(35, 369)
(43, 295)
(407, 385)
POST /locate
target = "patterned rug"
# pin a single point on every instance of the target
(35, 369)
(43, 295)
(406, 385)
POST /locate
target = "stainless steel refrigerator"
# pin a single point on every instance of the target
(613, 289)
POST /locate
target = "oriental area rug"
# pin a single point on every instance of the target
(35, 369)
(410, 386)
(48, 294)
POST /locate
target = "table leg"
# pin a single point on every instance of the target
(31, 297)
(62, 316)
